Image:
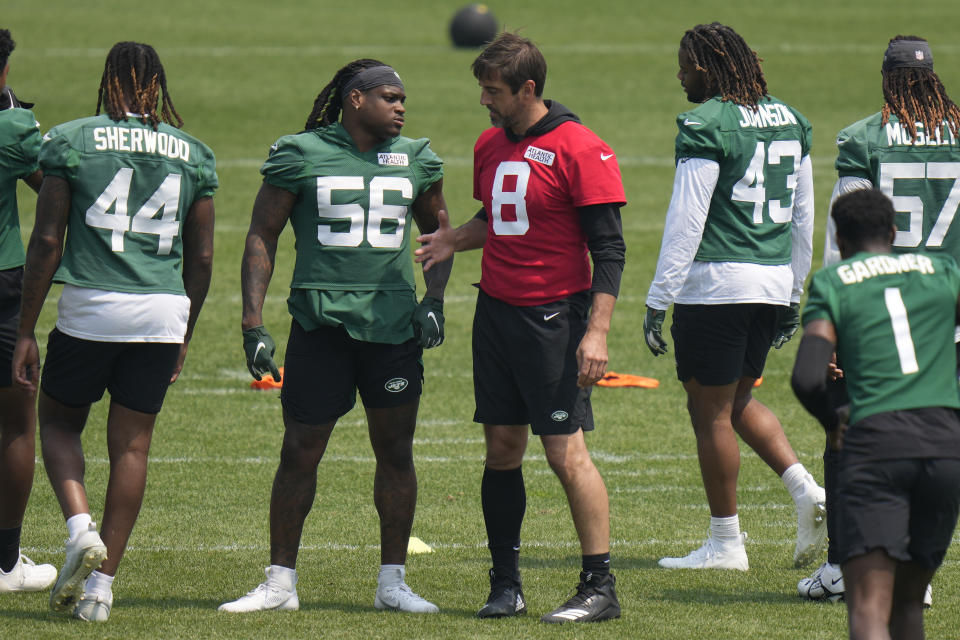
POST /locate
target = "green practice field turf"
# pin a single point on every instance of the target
(242, 73)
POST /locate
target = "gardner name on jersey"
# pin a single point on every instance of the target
(903, 307)
(759, 152)
(131, 188)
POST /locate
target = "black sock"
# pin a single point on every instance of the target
(598, 564)
(831, 473)
(9, 548)
(504, 501)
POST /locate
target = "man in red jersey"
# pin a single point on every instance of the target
(551, 193)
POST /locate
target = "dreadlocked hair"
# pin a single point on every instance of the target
(329, 102)
(916, 94)
(7, 45)
(732, 67)
(134, 80)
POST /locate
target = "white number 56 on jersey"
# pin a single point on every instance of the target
(372, 220)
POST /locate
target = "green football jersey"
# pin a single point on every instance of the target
(352, 222)
(759, 153)
(131, 187)
(894, 316)
(920, 177)
(19, 148)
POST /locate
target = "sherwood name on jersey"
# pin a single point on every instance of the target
(140, 141)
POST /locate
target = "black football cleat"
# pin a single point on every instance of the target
(505, 599)
(595, 600)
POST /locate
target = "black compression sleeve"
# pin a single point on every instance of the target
(809, 380)
(481, 215)
(601, 223)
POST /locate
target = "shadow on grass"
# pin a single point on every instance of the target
(701, 596)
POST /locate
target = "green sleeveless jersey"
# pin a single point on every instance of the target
(352, 223)
(759, 153)
(131, 187)
(921, 177)
(19, 148)
(894, 316)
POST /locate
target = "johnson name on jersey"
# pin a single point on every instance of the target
(759, 152)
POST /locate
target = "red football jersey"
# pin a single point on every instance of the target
(536, 251)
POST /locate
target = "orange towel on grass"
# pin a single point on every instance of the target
(612, 379)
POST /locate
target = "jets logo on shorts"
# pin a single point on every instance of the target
(559, 415)
(396, 385)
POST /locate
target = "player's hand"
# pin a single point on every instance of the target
(26, 364)
(428, 323)
(789, 322)
(834, 372)
(592, 358)
(653, 331)
(259, 349)
(179, 366)
(437, 246)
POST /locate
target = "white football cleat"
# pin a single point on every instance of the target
(274, 593)
(93, 608)
(400, 597)
(85, 553)
(712, 555)
(811, 525)
(826, 583)
(27, 576)
(928, 597)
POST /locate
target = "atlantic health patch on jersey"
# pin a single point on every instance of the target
(393, 160)
(540, 155)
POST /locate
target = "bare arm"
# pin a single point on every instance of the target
(592, 356)
(197, 266)
(43, 258)
(270, 213)
(442, 243)
(34, 180)
(426, 210)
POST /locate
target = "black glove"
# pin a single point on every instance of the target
(259, 348)
(653, 331)
(789, 322)
(428, 323)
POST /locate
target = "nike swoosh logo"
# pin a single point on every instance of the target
(256, 353)
(434, 318)
(687, 122)
(548, 318)
(836, 580)
(606, 156)
(46, 136)
(841, 141)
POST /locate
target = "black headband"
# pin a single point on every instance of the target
(906, 54)
(373, 77)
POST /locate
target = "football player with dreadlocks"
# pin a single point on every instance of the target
(349, 185)
(19, 148)
(736, 250)
(135, 193)
(909, 150)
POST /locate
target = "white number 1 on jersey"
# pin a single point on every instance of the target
(165, 198)
(901, 330)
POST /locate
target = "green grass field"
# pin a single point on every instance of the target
(241, 74)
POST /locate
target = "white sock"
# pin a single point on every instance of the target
(78, 524)
(726, 530)
(796, 479)
(98, 584)
(391, 575)
(286, 576)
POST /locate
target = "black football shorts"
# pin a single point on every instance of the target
(324, 368)
(907, 507)
(717, 344)
(525, 364)
(76, 372)
(11, 281)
